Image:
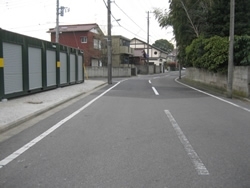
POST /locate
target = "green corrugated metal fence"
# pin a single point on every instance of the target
(29, 65)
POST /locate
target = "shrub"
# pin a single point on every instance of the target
(242, 50)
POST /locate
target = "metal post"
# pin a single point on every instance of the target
(109, 46)
(57, 21)
(180, 70)
(231, 52)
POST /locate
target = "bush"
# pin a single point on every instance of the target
(242, 50)
(215, 58)
(212, 54)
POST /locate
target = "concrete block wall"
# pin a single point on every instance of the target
(241, 81)
(102, 72)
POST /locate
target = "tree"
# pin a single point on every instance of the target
(218, 18)
(188, 19)
(164, 45)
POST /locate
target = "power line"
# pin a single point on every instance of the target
(129, 17)
(152, 33)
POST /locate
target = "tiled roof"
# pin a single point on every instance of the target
(71, 28)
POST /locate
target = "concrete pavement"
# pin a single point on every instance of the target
(16, 111)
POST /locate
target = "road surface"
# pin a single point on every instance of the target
(144, 132)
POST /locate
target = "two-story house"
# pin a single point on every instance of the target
(87, 37)
(121, 51)
(155, 56)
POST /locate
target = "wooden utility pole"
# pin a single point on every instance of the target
(57, 21)
(231, 51)
(109, 45)
(148, 41)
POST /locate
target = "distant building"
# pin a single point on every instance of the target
(172, 56)
(87, 37)
(121, 51)
(155, 56)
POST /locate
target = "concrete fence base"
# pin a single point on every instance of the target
(149, 69)
(241, 79)
(100, 72)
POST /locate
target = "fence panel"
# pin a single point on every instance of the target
(51, 67)
(80, 76)
(72, 68)
(63, 68)
(35, 68)
(13, 74)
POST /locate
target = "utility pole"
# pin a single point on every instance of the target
(148, 41)
(231, 51)
(109, 45)
(61, 12)
(57, 21)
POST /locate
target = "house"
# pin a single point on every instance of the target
(87, 37)
(121, 51)
(172, 56)
(155, 56)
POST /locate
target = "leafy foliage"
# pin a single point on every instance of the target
(210, 54)
(242, 50)
(164, 45)
(218, 18)
(201, 29)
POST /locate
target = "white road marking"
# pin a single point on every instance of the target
(18, 152)
(223, 100)
(156, 92)
(149, 81)
(199, 166)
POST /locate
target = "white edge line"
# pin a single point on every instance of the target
(199, 166)
(18, 152)
(236, 105)
(155, 91)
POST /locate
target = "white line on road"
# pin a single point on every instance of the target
(18, 152)
(149, 81)
(199, 166)
(156, 92)
(236, 105)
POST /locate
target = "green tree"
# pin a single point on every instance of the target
(188, 19)
(218, 18)
(164, 45)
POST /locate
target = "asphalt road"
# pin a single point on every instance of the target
(143, 132)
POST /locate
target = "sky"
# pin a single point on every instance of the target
(35, 17)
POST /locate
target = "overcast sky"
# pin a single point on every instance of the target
(35, 17)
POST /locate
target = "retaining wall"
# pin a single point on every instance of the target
(241, 79)
(101, 72)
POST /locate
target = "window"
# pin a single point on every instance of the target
(97, 44)
(124, 42)
(84, 39)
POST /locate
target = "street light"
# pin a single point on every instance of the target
(116, 21)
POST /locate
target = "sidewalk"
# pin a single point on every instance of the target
(15, 111)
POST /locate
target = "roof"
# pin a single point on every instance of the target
(120, 36)
(149, 45)
(73, 28)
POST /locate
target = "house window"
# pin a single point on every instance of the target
(97, 44)
(84, 39)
